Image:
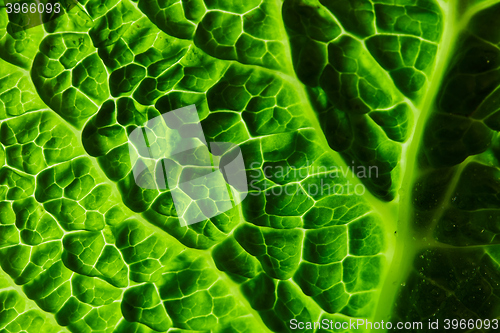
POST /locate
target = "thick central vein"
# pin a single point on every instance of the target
(405, 243)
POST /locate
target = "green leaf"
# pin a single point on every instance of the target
(369, 134)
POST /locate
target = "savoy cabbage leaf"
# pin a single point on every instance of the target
(369, 132)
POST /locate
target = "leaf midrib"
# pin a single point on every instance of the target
(406, 248)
